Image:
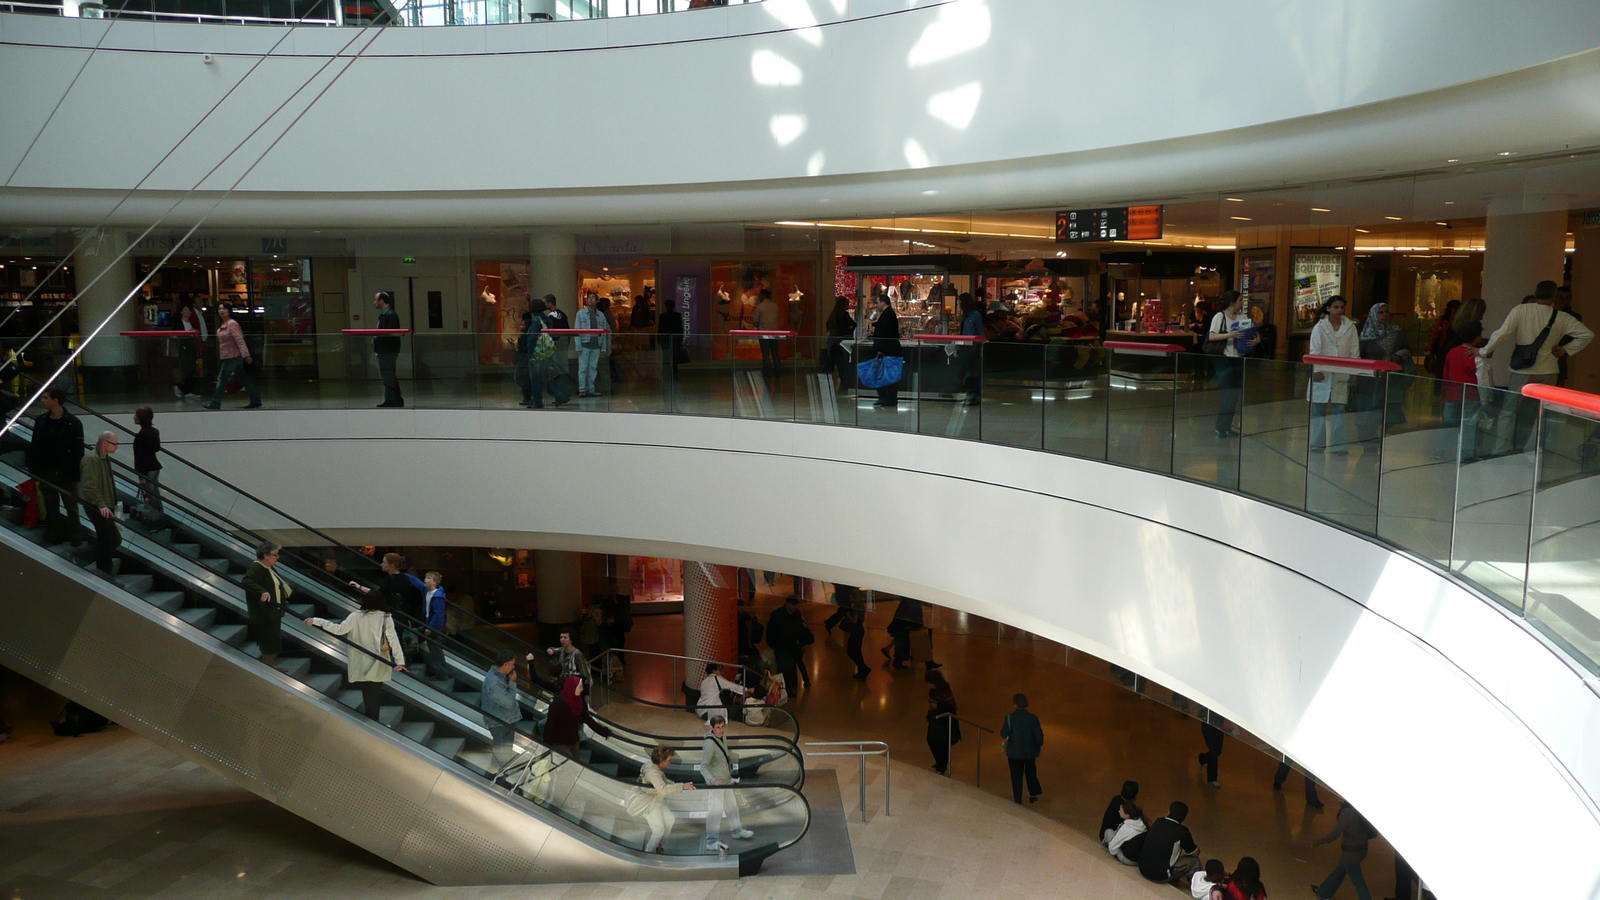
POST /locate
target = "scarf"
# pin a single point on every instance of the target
(1388, 336)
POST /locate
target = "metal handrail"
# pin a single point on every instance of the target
(675, 657)
(878, 747)
(949, 731)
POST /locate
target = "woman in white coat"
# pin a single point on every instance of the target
(656, 813)
(1334, 335)
(370, 629)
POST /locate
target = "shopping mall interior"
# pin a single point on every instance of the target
(470, 449)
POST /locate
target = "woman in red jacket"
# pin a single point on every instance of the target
(568, 714)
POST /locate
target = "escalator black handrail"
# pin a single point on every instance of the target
(328, 540)
(317, 573)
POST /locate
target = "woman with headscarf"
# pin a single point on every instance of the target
(1383, 340)
(568, 714)
(943, 733)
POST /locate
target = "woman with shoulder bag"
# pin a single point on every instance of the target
(375, 653)
(650, 800)
(1235, 330)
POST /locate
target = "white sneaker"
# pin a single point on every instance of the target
(744, 834)
(177, 392)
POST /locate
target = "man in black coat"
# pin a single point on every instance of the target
(54, 458)
(387, 347)
(1170, 853)
(787, 635)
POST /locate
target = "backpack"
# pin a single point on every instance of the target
(544, 346)
(76, 721)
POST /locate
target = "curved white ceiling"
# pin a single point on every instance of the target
(1410, 696)
(752, 111)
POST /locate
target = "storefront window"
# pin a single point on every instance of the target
(502, 298)
(271, 298)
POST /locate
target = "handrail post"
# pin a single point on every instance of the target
(862, 759)
(979, 778)
(886, 768)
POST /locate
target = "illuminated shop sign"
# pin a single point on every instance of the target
(1114, 223)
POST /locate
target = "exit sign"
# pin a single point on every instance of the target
(409, 260)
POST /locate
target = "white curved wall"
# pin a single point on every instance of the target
(738, 112)
(1454, 728)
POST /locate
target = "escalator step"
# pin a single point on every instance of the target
(351, 699)
(216, 565)
(302, 610)
(138, 585)
(328, 682)
(199, 617)
(606, 768)
(448, 747)
(232, 635)
(421, 732)
(189, 550)
(470, 698)
(391, 716)
(297, 667)
(443, 685)
(168, 601)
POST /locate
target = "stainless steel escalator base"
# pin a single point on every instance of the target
(183, 689)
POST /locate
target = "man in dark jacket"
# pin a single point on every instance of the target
(1023, 738)
(1170, 853)
(387, 346)
(54, 458)
(787, 635)
(907, 618)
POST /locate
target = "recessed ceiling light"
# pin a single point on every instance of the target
(1441, 223)
(1241, 218)
(1320, 209)
(1452, 159)
(1394, 218)
(1449, 203)
(1506, 153)
(1235, 200)
(1363, 231)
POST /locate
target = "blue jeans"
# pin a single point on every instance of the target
(230, 368)
(1330, 885)
(588, 368)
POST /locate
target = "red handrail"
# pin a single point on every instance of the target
(1142, 347)
(375, 331)
(756, 332)
(1350, 362)
(1556, 396)
(160, 333)
(566, 331)
(953, 338)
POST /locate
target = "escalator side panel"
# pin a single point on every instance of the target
(280, 739)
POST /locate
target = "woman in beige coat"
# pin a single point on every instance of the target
(370, 629)
(657, 815)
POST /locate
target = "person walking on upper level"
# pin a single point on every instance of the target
(1333, 335)
(886, 342)
(1541, 336)
(855, 631)
(190, 349)
(97, 490)
(590, 346)
(719, 767)
(767, 317)
(266, 596)
(1282, 775)
(907, 618)
(234, 355)
(146, 459)
(788, 635)
(498, 700)
(1352, 832)
(971, 352)
(1169, 853)
(841, 327)
(1234, 327)
(669, 343)
(54, 457)
(387, 348)
(1213, 736)
(374, 654)
(1022, 737)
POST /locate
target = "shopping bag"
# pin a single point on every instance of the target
(880, 371)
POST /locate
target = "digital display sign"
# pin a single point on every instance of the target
(1113, 223)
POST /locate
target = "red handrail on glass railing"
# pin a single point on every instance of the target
(1556, 396)
(951, 338)
(376, 331)
(1352, 363)
(1140, 348)
(163, 333)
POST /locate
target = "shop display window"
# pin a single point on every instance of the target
(502, 298)
(655, 580)
(271, 299)
(624, 285)
(1168, 306)
(21, 277)
(1041, 307)
(735, 289)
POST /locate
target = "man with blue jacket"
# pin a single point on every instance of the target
(1023, 738)
(499, 704)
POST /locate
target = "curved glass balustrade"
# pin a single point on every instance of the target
(376, 12)
(1490, 485)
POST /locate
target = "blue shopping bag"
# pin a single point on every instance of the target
(880, 371)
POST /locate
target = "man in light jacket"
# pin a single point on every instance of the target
(767, 317)
(719, 767)
(1522, 327)
(98, 491)
(590, 346)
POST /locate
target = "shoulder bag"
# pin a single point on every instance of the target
(1523, 356)
(1216, 348)
(383, 637)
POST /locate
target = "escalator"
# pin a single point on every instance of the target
(163, 648)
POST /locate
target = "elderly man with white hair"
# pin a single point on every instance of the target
(97, 488)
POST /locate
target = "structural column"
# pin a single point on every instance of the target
(108, 361)
(558, 578)
(710, 614)
(1583, 370)
(1524, 243)
(553, 269)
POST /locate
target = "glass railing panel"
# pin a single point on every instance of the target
(1346, 444)
(1075, 397)
(644, 372)
(941, 406)
(1563, 595)
(1014, 395)
(1139, 409)
(1273, 430)
(816, 378)
(763, 378)
(1205, 438)
(703, 384)
(892, 406)
(1421, 440)
(1493, 496)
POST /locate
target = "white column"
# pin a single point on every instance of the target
(1524, 243)
(553, 269)
(710, 614)
(1583, 370)
(558, 577)
(98, 260)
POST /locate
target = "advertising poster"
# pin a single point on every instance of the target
(1257, 280)
(1317, 276)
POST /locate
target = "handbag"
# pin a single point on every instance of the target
(1215, 348)
(388, 652)
(1523, 356)
(639, 800)
(880, 371)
